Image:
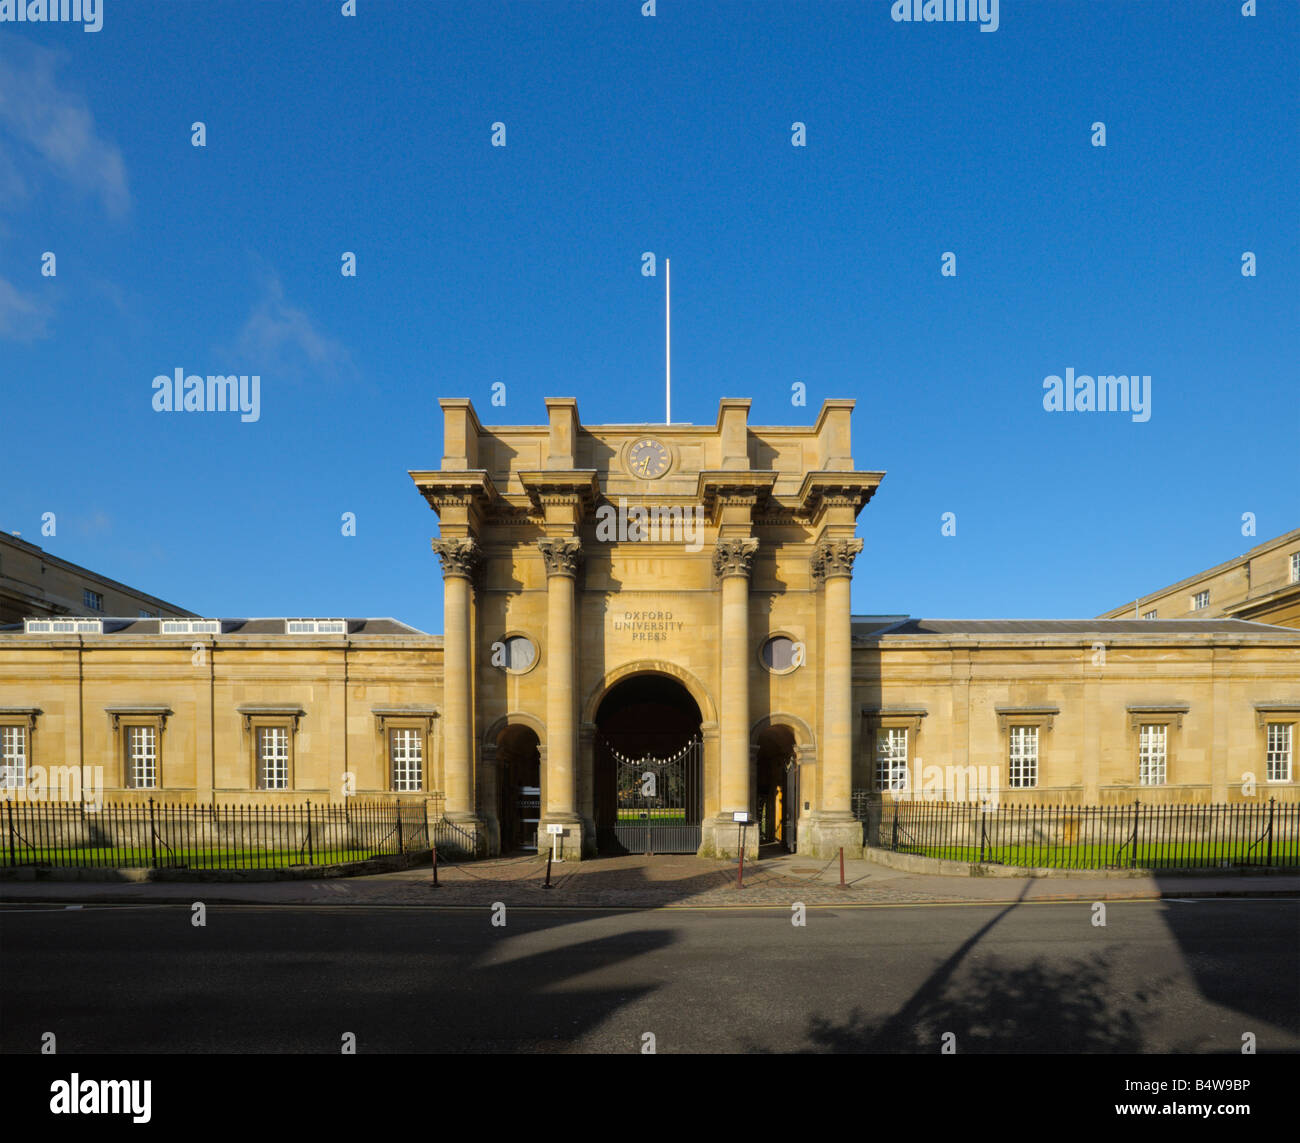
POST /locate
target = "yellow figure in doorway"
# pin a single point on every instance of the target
(779, 800)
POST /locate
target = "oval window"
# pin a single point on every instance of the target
(520, 654)
(778, 654)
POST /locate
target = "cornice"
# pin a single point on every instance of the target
(544, 485)
(826, 488)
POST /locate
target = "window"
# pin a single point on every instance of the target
(406, 758)
(781, 655)
(1153, 754)
(191, 627)
(63, 626)
(1149, 615)
(1279, 751)
(13, 757)
(148, 614)
(1023, 758)
(93, 600)
(518, 654)
(142, 757)
(315, 627)
(1200, 601)
(1295, 567)
(891, 758)
(272, 757)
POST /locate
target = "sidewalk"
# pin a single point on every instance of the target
(656, 882)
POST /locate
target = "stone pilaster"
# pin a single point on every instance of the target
(563, 557)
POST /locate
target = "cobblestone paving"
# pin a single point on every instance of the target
(674, 881)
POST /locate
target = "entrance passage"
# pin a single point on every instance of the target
(519, 792)
(778, 787)
(649, 768)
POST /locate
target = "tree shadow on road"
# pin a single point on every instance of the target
(999, 1006)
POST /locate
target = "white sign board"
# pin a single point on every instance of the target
(555, 829)
(741, 816)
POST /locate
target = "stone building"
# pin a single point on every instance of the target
(33, 583)
(648, 631)
(1262, 584)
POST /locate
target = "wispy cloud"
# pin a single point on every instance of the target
(22, 317)
(47, 130)
(282, 337)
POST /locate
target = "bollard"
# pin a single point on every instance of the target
(549, 854)
(842, 885)
(740, 869)
(435, 866)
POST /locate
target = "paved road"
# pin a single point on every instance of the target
(1168, 976)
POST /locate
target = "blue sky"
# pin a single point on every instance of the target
(521, 264)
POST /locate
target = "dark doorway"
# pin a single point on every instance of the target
(778, 787)
(649, 768)
(520, 795)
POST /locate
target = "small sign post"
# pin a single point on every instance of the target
(741, 817)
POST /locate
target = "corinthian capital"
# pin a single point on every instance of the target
(459, 557)
(834, 557)
(563, 555)
(734, 557)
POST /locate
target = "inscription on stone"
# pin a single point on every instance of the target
(647, 626)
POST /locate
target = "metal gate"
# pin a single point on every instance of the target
(657, 803)
(789, 827)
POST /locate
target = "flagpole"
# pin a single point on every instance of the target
(668, 343)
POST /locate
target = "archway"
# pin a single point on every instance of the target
(519, 792)
(777, 776)
(649, 767)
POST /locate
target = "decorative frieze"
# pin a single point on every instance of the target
(460, 557)
(734, 557)
(834, 558)
(563, 555)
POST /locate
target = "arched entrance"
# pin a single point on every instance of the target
(649, 768)
(519, 793)
(777, 773)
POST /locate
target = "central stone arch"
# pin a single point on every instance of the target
(648, 729)
(697, 690)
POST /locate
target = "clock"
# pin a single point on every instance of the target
(648, 459)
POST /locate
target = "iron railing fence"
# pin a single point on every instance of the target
(1087, 837)
(162, 835)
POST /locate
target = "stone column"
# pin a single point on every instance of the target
(833, 824)
(732, 562)
(460, 560)
(563, 557)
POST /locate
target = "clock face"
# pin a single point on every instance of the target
(648, 459)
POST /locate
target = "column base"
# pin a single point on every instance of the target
(822, 835)
(720, 838)
(576, 842)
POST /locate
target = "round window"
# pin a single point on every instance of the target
(781, 654)
(519, 654)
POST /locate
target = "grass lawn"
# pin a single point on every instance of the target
(195, 858)
(657, 817)
(1186, 855)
